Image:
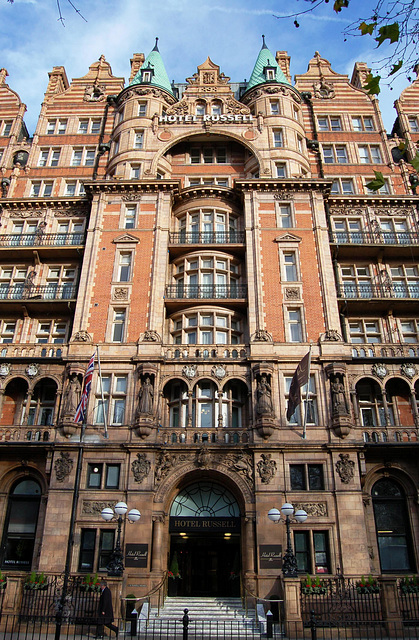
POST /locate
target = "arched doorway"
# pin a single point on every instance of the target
(392, 526)
(20, 527)
(205, 541)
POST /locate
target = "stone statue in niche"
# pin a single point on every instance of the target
(72, 396)
(339, 400)
(264, 404)
(145, 397)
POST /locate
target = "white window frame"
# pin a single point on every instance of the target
(336, 153)
(370, 151)
(288, 309)
(113, 397)
(120, 321)
(340, 184)
(297, 417)
(278, 138)
(331, 123)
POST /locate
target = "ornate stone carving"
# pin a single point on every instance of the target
(166, 461)
(242, 463)
(93, 507)
(264, 405)
(141, 467)
(408, 369)
(315, 509)
(150, 336)
(63, 466)
(292, 293)
(32, 370)
(266, 468)
(147, 91)
(94, 93)
(345, 468)
(379, 369)
(331, 335)
(5, 368)
(131, 197)
(261, 335)
(72, 396)
(218, 371)
(120, 293)
(180, 108)
(189, 371)
(203, 458)
(323, 90)
(283, 195)
(340, 404)
(233, 106)
(82, 336)
(145, 398)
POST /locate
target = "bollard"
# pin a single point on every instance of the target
(313, 625)
(185, 622)
(134, 621)
(269, 624)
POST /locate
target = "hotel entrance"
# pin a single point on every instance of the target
(204, 542)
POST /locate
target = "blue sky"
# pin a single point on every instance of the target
(32, 40)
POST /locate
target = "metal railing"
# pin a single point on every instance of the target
(206, 291)
(207, 237)
(37, 292)
(369, 291)
(370, 237)
(42, 239)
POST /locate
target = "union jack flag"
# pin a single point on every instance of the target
(87, 383)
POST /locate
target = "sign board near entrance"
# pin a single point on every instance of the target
(270, 556)
(136, 555)
(204, 525)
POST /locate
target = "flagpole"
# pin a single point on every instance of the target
(105, 422)
(308, 387)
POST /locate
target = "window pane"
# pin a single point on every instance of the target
(297, 477)
(315, 477)
(87, 549)
(112, 476)
(301, 545)
(94, 475)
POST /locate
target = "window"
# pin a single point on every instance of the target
(138, 139)
(281, 169)
(89, 157)
(124, 267)
(87, 558)
(49, 157)
(207, 327)
(74, 188)
(130, 216)
(384, 189)
(284, 218)
(410, 331)
(300, 144)
(118, 325)
(135, 171)
(51, 331)
(195, 181)
(8, 330)
(41, 188)
(295, 327)
(106, 546)
(344, 186)
(83, 126)
(274, 105)
(362, 123)
(312, 551)
(303, 476)
(405, 281)
(277, 136)
(371, 406)
(200, 109)
(113, 404)
(334, 154)
(348, 231)
(356, 281)
(392, 526)
(95, 127)
(205, 226)
(116, 146)
(208, 155)
(60, 283)
(99, 477)
(329, 123)
(142, 108)
(365, 331)
(394, 231)
(77, 157)
(6, 128)
(311, 398)
(207, 276)
(21, 524)
(216, 109)
(289, 267)
(94, 476)
(58, 127)
(369, 154)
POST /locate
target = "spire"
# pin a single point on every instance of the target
(266, 69)
(153, 72)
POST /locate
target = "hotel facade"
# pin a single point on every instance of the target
(200, 238)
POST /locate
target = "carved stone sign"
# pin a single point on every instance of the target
(178, 118)
(214, 525)
(270, 556)
(93, 507)
(136, 555)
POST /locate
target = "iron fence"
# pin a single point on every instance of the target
(207, 237)
(369, 290)
(42, 239)
(408, 602)
(379, 238)
(206, 291)
(338, 602)
(24, 291)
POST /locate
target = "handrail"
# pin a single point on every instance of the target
(162, 583)
(253, 595)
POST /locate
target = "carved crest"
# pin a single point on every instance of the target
(266, 468)
(345, 468)
(63, 466)
(141, 467)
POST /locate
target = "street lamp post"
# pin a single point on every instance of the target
(289, 561)
(116, 562)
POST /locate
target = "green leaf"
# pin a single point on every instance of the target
(396, 67)
(340, 4)
(372, 86)
(377, 183)
(415, 161)
(365, 28)
(388, 32)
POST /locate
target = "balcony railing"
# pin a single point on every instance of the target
(369, 291)
(38, 292)
(41, 239)
(210, 351)
(30, 350)
(368, 237)
(207, 237)
(191, 435)
(206, 291)
(378, 350)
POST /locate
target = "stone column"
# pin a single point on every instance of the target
(292, 602)
(190, 409)
(156, 558)
(386, 411)
(249, 545)
(414, 404)
(220, 409)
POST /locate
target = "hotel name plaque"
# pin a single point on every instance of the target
(270, 556)
(136, 555)
(201, 525)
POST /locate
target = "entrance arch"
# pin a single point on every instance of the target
(205, 529)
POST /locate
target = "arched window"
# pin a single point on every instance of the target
(20, 527)
(392, 526)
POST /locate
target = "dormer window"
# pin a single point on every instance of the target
(146, 76)
(269, 72)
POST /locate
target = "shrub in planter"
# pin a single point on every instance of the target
(367, 585)
(36, 582)
(3, 581)
(90, 584)
(410, 585)
(313, 586)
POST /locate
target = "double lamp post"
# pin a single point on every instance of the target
(289, 561)
(116, 561)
